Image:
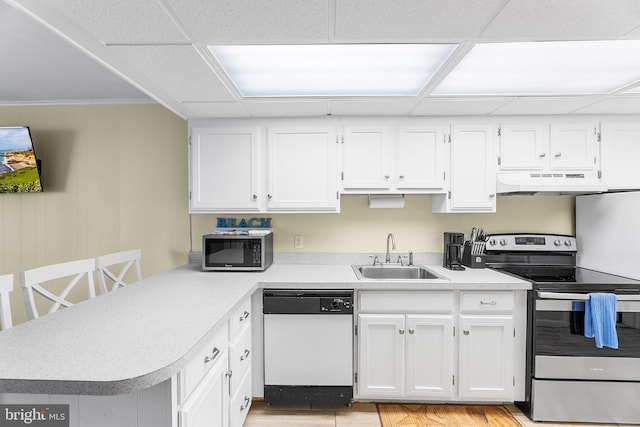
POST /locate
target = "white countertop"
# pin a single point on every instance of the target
(145, 333)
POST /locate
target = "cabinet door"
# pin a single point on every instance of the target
(208, 405)
(473, 183)
(366, 158)
(486, 357)
(620, 153)
(224, 169)
(302, 169)
(573, 146)
(381, 355)
(523, 146)
(419, 162)
(429, 344)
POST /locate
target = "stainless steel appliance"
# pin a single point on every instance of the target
(308, 346)
(237, 250)
(452, 251)
(568, 377)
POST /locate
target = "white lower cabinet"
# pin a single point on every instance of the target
(405, 355)
(459, 348)
(208, 404)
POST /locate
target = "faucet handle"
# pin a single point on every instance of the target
(400, 257)
(375, 259)
(410, 258)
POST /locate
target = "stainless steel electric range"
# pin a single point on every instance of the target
(568, 377)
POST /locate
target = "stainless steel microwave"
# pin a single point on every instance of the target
(233, 250)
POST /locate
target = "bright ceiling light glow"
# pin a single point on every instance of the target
(544, 68)
(331, 70)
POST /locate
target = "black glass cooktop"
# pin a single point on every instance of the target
(571, 279)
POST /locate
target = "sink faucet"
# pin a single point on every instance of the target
(387, 258)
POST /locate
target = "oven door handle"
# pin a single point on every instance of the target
(581, 297)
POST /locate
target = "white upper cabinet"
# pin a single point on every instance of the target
(367, 158)
(419, 160)
(301, 164)
(573, 146)
(620, 151)
(539, 146)
(393, 157)
(472, 184)
(523, 146)
(235, 168)
(225, 169)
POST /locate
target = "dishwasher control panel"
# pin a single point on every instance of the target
(325, 302)
(336, 305)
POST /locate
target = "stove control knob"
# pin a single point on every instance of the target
(567, 242)
(503, 242)
(557, 242)
(492, 242)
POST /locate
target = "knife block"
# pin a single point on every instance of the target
(472, 260)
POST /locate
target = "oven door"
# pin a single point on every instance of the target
(562, 351)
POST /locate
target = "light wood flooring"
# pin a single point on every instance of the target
(358, 415)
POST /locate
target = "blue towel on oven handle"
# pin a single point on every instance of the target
(600, 319)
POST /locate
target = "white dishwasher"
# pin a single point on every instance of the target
(308, 346)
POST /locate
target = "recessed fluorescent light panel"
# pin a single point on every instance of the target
(544, 68)
(331, 70)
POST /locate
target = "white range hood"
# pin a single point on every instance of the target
(548, 184)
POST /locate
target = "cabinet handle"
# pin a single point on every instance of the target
(411, 331)
(488, 303)
(245, 355)
(401, 331)
(214, 354)
(401, 176)
(491, 196)
(542, 155)
(255, 196)
(269, 196)
(246, 403)
(557, 155)
(465, 332)
(244, 316)
(386, 177)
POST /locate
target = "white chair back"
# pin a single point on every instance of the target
(112, 269)
(6, 286)
(37, 280)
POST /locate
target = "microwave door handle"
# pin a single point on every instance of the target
(581, 297)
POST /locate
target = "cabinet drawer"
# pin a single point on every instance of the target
(407, 302)
(241, 402)
(480, 302)
(240, 354)
(240, 319)
(202, 361)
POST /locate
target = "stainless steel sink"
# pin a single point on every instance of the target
(395, 272)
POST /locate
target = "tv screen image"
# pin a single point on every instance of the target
(18, 168)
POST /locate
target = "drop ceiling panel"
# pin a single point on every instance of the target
(623, 104)
(411, 20)
(372, 107)
(39, 66)
(247, 21)
(126, 21)
(564, 20)
(458, 106)
(545, 105)
(303, 108)
(179, 70)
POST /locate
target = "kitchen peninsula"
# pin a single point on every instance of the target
(131, 348)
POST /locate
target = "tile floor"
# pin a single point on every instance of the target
(358, 415)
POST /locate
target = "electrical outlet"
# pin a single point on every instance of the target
(297, 242)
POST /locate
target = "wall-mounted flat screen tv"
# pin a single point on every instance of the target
(18, 167)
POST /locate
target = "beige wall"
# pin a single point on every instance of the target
(357, 228)
(114, 178)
